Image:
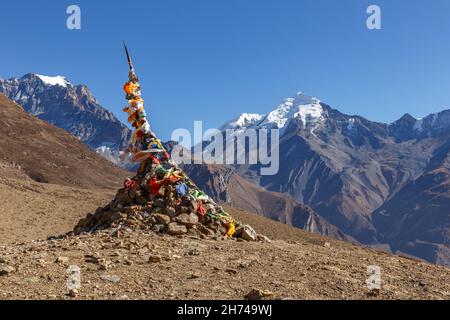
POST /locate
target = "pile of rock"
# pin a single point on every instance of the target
(160, 198)
(136, 208)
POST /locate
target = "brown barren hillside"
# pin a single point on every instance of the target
(47, 154)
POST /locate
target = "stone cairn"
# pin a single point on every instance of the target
(160, 197)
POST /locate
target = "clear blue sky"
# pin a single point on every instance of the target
(211, 60)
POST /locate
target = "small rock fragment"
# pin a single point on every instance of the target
(73, 293)
(375, 292)
(257, 294)
(5, 271)
(154, 259)
(158, 228)
(263, 238)
(62, 260)
(110, 278)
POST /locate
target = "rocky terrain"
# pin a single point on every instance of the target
(36, 263)
(138, 265)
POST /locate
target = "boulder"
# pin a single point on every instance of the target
(176, 229)
(206, 231)
(160, 202)
(158, 228)
(171, 212)
(189, 220)
(162, 218)
(249, 234)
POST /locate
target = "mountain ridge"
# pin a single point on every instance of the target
(48, 154)
(347, 167)
(72, 108)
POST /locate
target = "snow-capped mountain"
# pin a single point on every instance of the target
(432, 125)
(381, 184)
(310, 113)
(245, 120)
(70, 107)
(302, 107)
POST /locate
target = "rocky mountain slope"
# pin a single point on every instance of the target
(70, 107)
(226, 186)
(41, 152)
(359, 175)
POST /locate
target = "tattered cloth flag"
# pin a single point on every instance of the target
(160, 197)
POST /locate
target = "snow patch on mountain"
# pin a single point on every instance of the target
(109, 154)
(243, 121)
(433, 123)
(54, 81)
(351, 124)
(302, 107)
(305, 108)
(418, 125)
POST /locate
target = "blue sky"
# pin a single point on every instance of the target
(211, 60)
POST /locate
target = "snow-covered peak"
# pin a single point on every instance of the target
(243, 121)
(304, 99)
(303, 107)
(54, 81)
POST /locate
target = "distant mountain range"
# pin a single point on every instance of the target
(381, 184)
(384, 185)
(70, 107)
